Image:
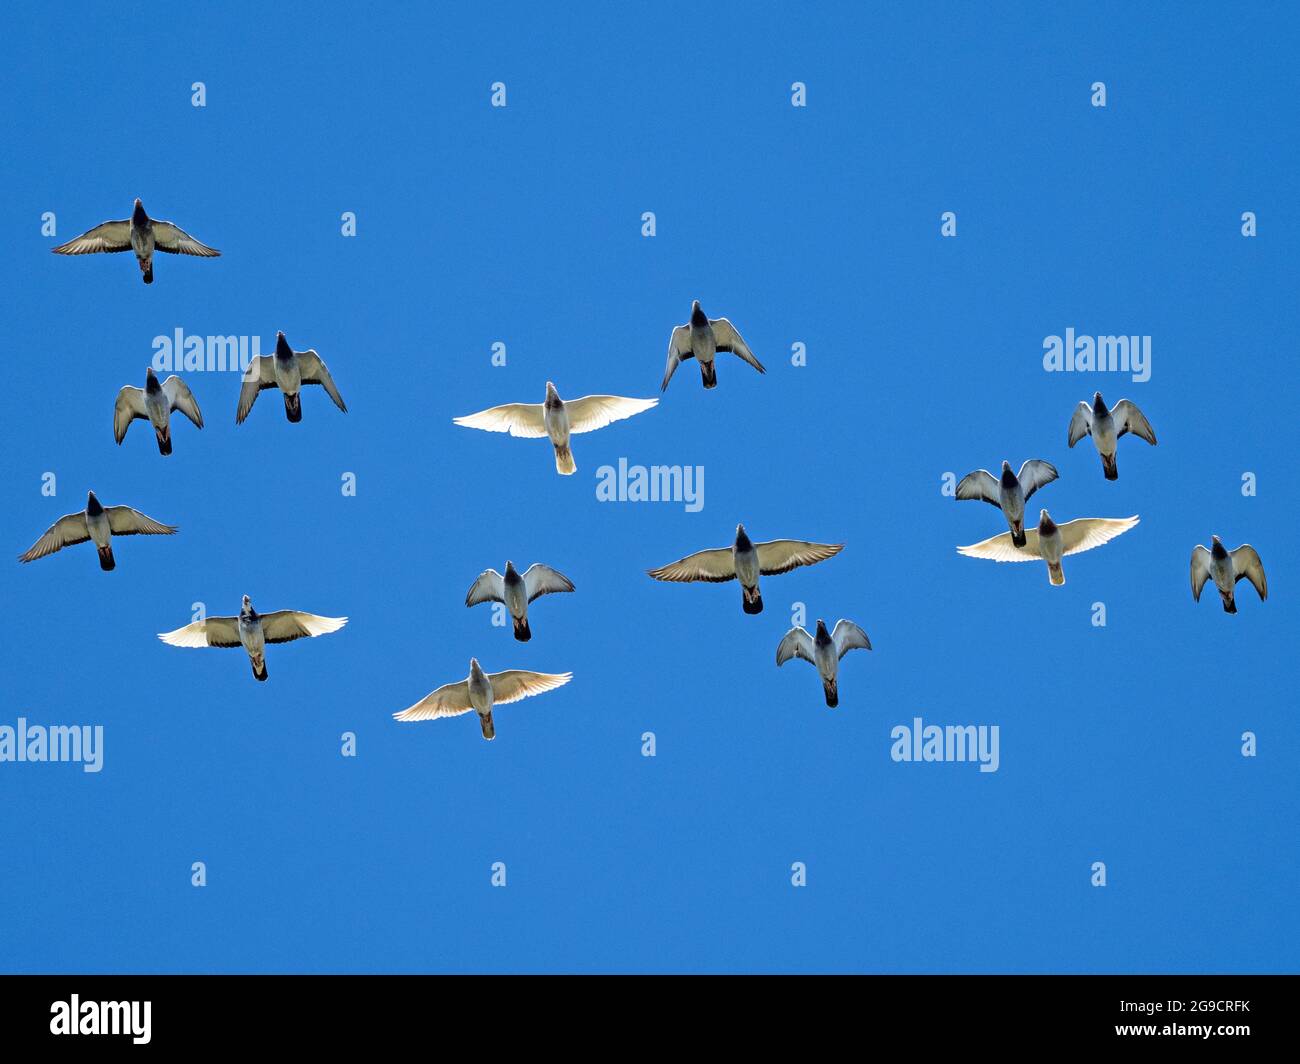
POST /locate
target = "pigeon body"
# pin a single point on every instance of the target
(1225, 567)
(141, 234)
(1009, 491)
(824, 650)
(480, 692)
(1107, 426)
(701, 338)
(287, 370)
(98, 524)
(154, 403)
(746, 561)
(556, 420)
(252, 631)
(1052, 542)
(517, 591)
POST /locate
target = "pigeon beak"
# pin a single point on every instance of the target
(148, 373)
(740, 530)
(550, 389)
(90, 497)
(1006, 466)
(695, 305)
(1215, 539)
(1096, 396)
(1043, 515)
(473, 664)
(247, 602)
(138, 202)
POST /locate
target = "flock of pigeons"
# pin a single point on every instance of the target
(1051, 542)
(745, 561)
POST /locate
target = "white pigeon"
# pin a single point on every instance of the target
(480, 692)
(1052, 542)
(701, 338)
(746, 561)
(1107, 426)
(97, 523)
(517, 591)
(1009, 492)
(824, 650)
(154, 403)
(252, 631)
(556, 419)
(1226, 567)
(287, 370)
(141, 234)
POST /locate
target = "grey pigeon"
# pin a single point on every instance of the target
(97, 523)
(154, 403)
(1226, 567)
(141, 234)
(1008, 492)
(1107, 426)
(287, 370)
(824, 650)
(480, 692)
(517, 591)
(701, 338)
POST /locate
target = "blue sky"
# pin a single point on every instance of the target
(522, 225)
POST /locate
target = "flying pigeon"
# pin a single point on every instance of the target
(141, 234)
(746, 561)
(252, 631)
(1226, 567)
(154, 403)
(287, 370)
(824, 650)
(1009, 492)
(480, 692)
(1051, 542)
(1107, 426)
(517, 591)
(98, 523)
(701, 338)
(556, 419)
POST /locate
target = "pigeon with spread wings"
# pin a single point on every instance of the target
(98, 523)
(1107, 426)
(287, 370)
(746, 561)
(1225, 567)
(141, 234)
(516, 591)
(154, 403)
(1051, 542)
(556, 419)
(701, 338)
(1008, 492)
(480, 692)
(252, 631)
(824, 650)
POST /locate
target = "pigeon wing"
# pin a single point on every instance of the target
(129, 406)
(979, 485)
(314, 371)
(679, 349)
(123, 521)
(1246, 563)
(489, 587)
(716, 565)
(66, 531)
(593, 412)
(796, 643)
(782, 555)
(108, 236)
(1080, 423)
(209, 632)
(515, 684)
(1088, 532)
(728, 339)
(1000, 548)
(848, 636)
(518, 419)
(1034, 474)
(1128, 418)
(259, 376)
(284, 626)
(450, 700)
(1200, 570)
(181, 398)
(174, 240)
(542, 580)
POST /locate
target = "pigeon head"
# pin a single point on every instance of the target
(246, 603)
(1217, 549)
(1098, 403)
(552, 396)
(823, 636)
(1046, 526)
(282, 348)
(698, 317)
(742, 539)
(1009, 479)
(475, 669)
(151, 381)
(137, 212)
(92, 504)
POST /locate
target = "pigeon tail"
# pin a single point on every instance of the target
(1056, 574)
(485, 722)
(832, 688)
(1109, 467)
(1018, 537)
(1230, 604)
(259, 665)
(709, 371)
(147, 275)
(293, 406)
(165, 443)
(564, 462)
(106, 561)
(751, 600)
(522, 632)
